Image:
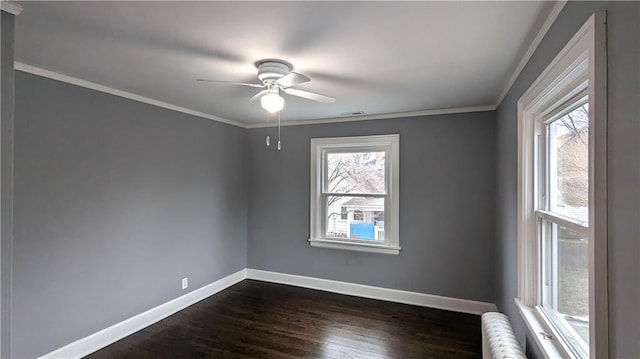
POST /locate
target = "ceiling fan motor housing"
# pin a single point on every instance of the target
(272, 70)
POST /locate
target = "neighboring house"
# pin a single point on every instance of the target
(358, 218)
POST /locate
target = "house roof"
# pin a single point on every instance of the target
(366, 203)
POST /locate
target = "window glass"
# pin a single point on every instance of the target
(568, 154)
(361, 221)
(566, 281)
(355, 172)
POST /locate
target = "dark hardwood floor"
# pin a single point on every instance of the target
(254, 319)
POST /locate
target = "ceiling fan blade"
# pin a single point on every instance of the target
(258, 95)
(292, 79)
(309, 95)
(230, 83)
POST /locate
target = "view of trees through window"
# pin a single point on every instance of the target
(570, 154)
(355, 182)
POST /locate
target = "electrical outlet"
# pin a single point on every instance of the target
(185, 283)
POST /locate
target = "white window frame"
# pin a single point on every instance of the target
(579, 68)
(390, 144)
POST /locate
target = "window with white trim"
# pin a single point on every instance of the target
(562, 285)
(354, 193)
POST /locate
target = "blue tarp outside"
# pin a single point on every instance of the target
(362, 231)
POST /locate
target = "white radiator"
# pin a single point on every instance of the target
(498, 339)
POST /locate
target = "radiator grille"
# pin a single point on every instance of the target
(498, 339)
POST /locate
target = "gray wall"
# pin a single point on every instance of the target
(623, 169)
(115, 202)
(6, 150)
(447, 175)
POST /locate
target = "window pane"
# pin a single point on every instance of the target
(364, 218)
(566, 280)
(569, 164)
(355, 172)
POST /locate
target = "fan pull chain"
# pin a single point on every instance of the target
(268, 139)
(279, 143)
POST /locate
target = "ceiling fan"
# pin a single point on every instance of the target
(276, 76)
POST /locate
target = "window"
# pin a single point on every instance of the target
(563, 217)
(357, 214)
(562, 200)
(354, 193)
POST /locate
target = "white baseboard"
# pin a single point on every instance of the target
(101, 339)
(366, 291)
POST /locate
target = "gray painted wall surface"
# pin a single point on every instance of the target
(6, 143)
(115, 202)
(447, 174)
(623, 169)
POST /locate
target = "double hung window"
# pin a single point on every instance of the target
(354, 193)
(562, 217)
(562, 232)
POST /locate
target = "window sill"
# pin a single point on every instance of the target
(354, 246)
(551, 348)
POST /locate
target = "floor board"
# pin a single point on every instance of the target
(254, 319)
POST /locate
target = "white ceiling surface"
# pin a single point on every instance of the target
(376, 57)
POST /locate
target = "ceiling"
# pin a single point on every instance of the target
(374, 57)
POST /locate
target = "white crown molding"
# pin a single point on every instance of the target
(112, 91)
(94, 86)
(381, 116)
(555, 11)
(10, 7)
(101, 339)
(553, 15)
(366, 291)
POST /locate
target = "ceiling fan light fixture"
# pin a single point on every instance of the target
(272, 102)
